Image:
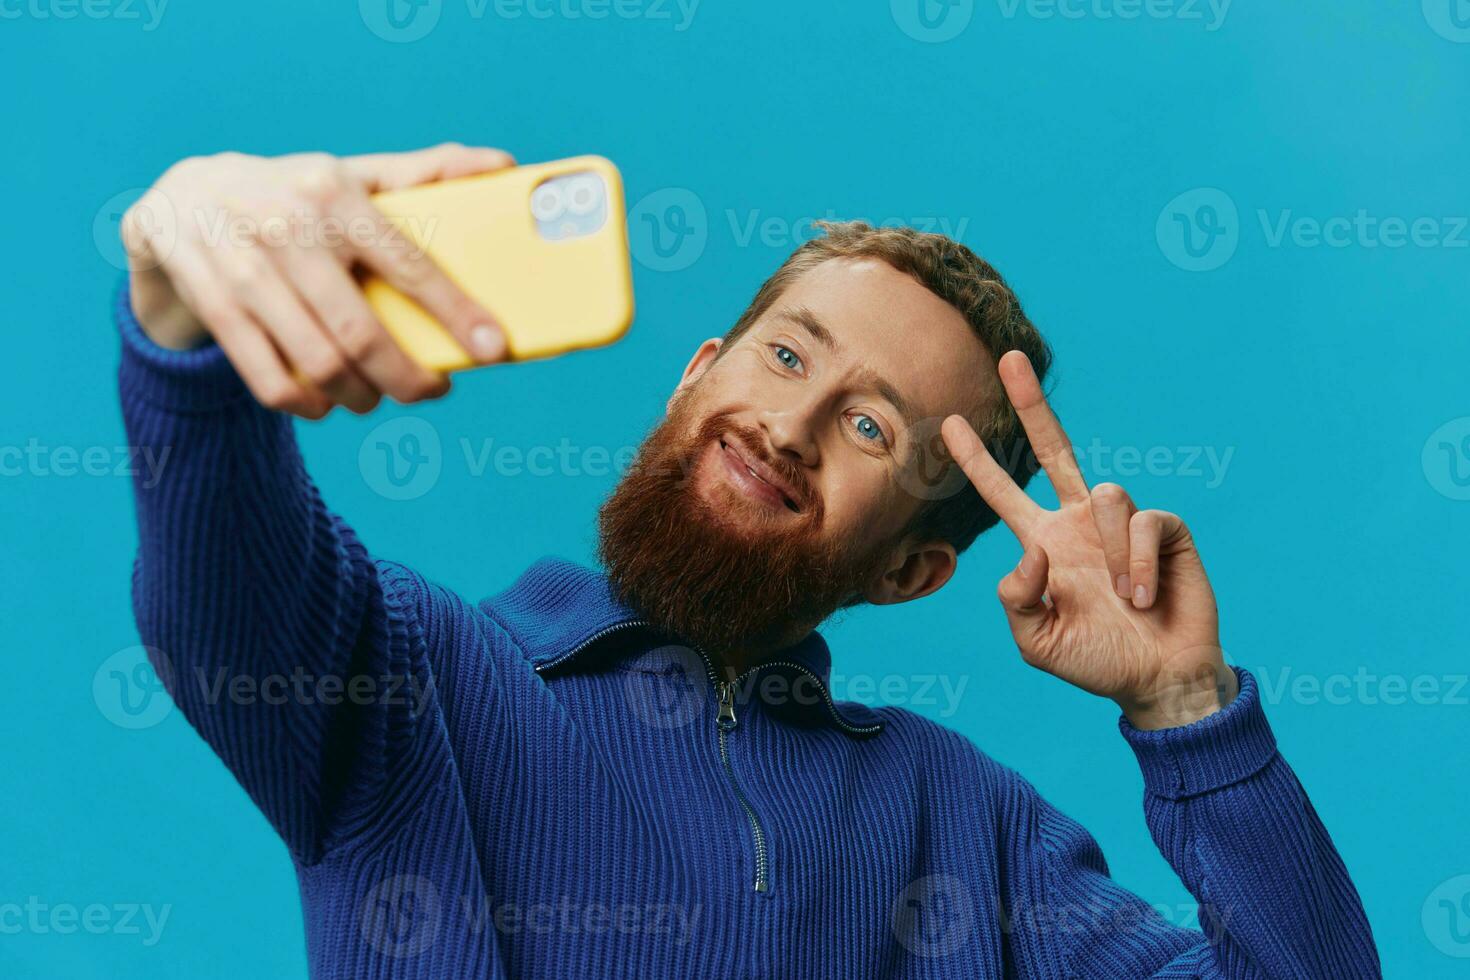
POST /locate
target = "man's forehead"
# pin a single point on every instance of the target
(875, 317)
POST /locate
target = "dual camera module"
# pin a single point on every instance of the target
(569, 205)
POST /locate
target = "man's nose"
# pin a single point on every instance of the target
(790, 431)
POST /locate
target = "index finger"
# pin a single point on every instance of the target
(390, 171)
(407, 267)
(994, 484)
(1050, 443)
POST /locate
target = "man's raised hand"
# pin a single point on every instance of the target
(1107, 597)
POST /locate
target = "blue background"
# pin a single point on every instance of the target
(1336, 539)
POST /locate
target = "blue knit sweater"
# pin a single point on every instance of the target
(538, 786)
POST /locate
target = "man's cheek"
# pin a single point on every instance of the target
(853, 508)
(891, 507)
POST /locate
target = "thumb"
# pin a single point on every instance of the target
(1021, 593)
(391, 171)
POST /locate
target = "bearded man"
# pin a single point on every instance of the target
(506, 799)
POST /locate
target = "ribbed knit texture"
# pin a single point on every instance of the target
(534, 786)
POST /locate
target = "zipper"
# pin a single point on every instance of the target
(629, 623)
(605, 631)
(826, 696)
(725, 722)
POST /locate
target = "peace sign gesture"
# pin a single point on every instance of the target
(1107, 597)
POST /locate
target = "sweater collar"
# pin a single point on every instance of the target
(557, 610)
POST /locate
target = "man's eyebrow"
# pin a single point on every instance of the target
(807, 320)
(867, 377)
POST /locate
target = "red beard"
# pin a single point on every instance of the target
(721, 583)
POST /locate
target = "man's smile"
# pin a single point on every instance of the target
(753, 477)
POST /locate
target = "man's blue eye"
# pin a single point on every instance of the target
(786, 357)
(867, 428)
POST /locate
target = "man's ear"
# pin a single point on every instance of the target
(697, 365)
(916, 570)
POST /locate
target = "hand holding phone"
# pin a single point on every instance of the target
(545, 246)
(260, 254)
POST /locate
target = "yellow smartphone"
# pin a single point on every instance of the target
(542, 246)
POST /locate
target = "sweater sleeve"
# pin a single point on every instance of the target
(263, 615)
(1227, 812)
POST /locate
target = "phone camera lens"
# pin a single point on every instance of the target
(546, 202)
(584, 193)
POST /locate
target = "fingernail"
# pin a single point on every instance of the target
(1024, 565)
(1140, 596)
(487, 343)
(1120, 585)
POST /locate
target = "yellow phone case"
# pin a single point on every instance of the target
(552, 296)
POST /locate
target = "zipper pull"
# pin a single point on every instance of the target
(725, 693)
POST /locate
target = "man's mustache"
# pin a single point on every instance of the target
(720, 426)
